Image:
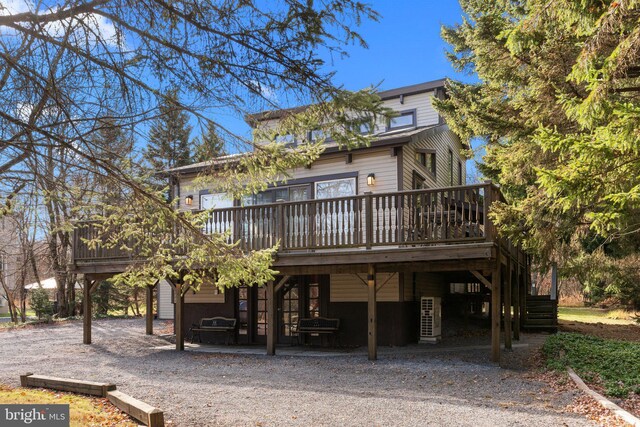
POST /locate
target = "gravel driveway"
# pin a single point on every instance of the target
(206, 389)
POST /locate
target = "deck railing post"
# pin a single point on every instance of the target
(368, 215)
(280, 225)
(488, 199)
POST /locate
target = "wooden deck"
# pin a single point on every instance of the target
(440, 225)
(437, 230)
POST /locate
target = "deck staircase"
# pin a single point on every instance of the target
(541, 313)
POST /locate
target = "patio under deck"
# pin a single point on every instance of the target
(435, 230)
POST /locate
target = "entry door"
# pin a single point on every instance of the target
(289, 310)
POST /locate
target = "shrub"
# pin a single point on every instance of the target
(40, 302)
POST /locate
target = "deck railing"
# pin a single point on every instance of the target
(416, 217)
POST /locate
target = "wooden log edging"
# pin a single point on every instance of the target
(603, 401)
(65, 384)
(141, 411)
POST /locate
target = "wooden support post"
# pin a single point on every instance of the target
(372, 328)
(149, 313)
(507, 306)
(516, 304)
(86, 310)
(271, 319)
(179, 320)
(368, 219)
(495, 313)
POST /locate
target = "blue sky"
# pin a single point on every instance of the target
(404, 48)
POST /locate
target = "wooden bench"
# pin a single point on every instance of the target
(318, 325)
(213, 324)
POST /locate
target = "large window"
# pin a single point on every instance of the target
(215, 201)
(335, 188)
(403, 120)
(287, 194)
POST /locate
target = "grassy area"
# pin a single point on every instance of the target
(30, 313)
(84, 411)
(613, 365)
(596, 315)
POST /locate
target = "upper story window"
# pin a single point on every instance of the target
(318, 134)
(459, 172)
(404, 119)
(287, 139)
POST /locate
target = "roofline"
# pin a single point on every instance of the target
(400, 140)
(415, 89)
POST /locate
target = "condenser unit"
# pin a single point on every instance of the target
(430, 320)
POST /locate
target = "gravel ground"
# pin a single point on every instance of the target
(408, 388)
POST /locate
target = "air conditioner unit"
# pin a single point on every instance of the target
(430, 320)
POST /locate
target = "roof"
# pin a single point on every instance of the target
(49, 283)
(384, 95)
(394, 137)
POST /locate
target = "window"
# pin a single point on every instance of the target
(450, 167)
(364, 128)
(403, 120)
(427, 159)
(262, 311)
(215, 201)
(335, 188)
(313, 296)
(288, 140)
(459, 172)
(243, 310)
(287, 194)
(317, 135)
(418, 181)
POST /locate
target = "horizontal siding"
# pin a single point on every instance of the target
(441, 141)
(208, 293)
(349, 288)
(380, 162)
(165, 307)
(426, 115)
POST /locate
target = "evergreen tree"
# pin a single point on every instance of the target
(169, 144)
(210, 146)
(558, 106)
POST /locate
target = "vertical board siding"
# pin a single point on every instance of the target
(163, 295)
(348, 288)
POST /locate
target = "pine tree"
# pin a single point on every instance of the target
(210, 146)
(557, 103)
(169, 143)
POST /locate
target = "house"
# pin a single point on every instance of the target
(384, 238)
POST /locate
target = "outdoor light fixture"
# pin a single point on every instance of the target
(188, 200)
(371, 179)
